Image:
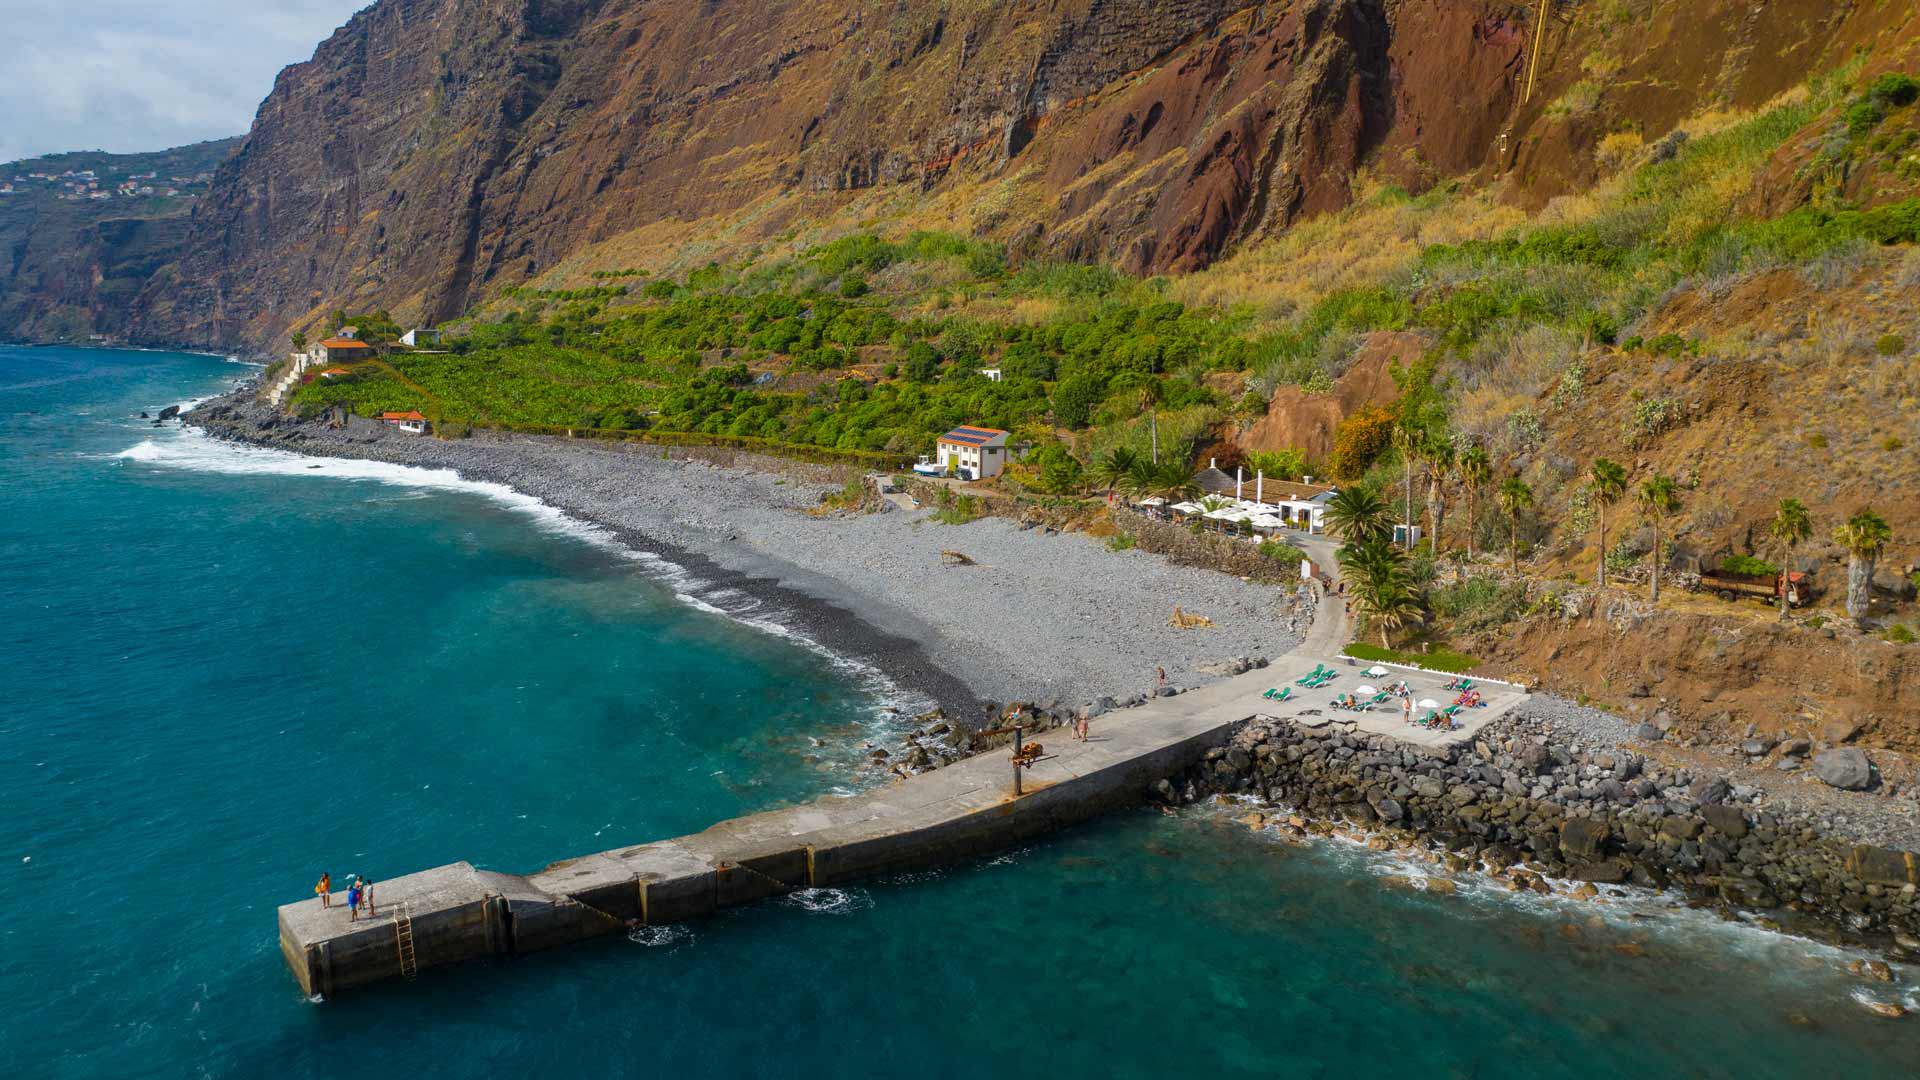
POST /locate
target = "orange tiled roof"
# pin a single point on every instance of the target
(413, 415)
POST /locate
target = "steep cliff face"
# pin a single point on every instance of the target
(81, 234)
(434, 151)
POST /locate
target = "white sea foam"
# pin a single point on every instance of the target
(1661, 914)
(193, 449)
(829, 901)
(656, 937)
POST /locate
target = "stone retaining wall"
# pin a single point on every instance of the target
(1518, 806)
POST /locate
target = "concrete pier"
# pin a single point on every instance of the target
(456, 912)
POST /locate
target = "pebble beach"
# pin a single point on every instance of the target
(1040, 617)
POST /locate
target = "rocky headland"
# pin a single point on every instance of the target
(1548, 801)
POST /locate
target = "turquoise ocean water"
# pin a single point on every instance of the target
(226, 670)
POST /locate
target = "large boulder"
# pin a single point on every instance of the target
(1533, 758)
(1846, 768)
(1883, 866)
(1709, 790)
(1582, 838)
(1727, 820)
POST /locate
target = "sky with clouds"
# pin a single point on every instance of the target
(126, 75)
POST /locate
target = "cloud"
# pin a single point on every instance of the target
(127, 75)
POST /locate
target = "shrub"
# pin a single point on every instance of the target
(1281, 551)
(1651, 418)
(1059, 472)
(1817, 440)
(1120, 541)
(1892, 443)
(1581, 97)
(952, 509)
(1286, 464)
(1890, 345)
(1899, 634)
(1480, 603)
(1618, 148)
(1895, 90)
(1359, 440)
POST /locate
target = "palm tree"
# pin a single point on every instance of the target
(1171, 480)
(1864, 535)
(1114, 469)
(1404, 442)
(1609, 480)
(1658, 500)
(1372, 560)
(1388, 604)
(1514, 496)
(1357, 515)
(1475, 470)
(1376, 572)
(1437, 452)
(1790, 526)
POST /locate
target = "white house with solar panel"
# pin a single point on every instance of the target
(972, 453)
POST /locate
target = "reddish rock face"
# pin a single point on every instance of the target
(433, 151)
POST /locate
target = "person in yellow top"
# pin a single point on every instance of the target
(325, 890)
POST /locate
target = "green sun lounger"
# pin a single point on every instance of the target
(1378, 699)
(1308, 679)
(1451, 710)
(1279, 693)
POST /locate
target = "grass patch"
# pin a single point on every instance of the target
(1438, 660)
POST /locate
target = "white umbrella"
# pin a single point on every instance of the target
(1428, 703)
(1153, 500)
(1188, 508)
(1365, 690)
(1376, 671)
(1267, 521)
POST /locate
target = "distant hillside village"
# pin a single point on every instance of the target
(75, 185)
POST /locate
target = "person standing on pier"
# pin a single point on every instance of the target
(325, 889)
(353, 901)
(366, 896)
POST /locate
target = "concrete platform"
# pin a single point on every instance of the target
(1314, 708)
(456, 912)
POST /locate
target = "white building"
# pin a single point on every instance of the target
(973, 453)
(410, 422)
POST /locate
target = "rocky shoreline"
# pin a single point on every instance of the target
(1552, 794)
(1545, 813)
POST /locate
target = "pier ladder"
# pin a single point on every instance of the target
(403, 937)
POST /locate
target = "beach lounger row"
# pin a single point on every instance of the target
(1278, 693)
